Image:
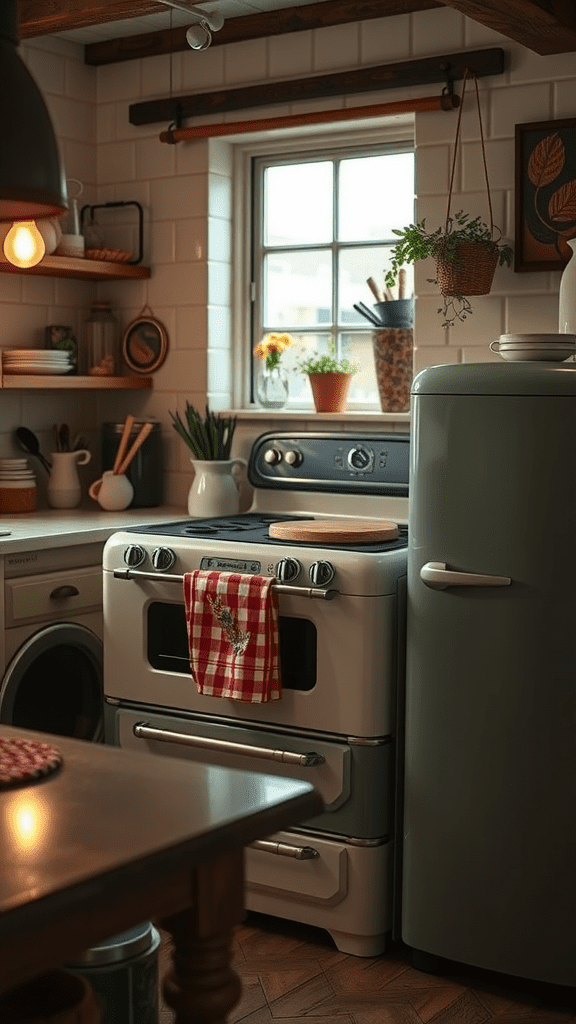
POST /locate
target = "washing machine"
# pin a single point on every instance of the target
(51, 659)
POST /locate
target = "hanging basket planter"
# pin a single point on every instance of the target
(466, 250)
(470, 271)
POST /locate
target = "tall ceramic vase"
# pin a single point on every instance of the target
(567, 297)
(215, 490)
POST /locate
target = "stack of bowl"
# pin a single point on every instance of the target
(17, 486)
(551, 348)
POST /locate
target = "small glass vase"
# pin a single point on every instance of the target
(272, 388)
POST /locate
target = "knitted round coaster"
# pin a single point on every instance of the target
(23, 761)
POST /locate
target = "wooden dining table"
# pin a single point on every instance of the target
(113, 838)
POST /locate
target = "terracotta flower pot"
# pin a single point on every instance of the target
(330, 390)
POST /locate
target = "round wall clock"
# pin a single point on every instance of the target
(145, 343)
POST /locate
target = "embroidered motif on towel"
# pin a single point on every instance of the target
(239, 640)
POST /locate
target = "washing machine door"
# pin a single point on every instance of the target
(54, 683)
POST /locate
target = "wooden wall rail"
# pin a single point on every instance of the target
(203, 131)
(426, 71)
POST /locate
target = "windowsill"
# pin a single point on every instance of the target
(351, 416)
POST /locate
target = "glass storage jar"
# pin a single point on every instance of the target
(103, 341)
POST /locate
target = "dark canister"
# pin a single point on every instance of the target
(146, 471)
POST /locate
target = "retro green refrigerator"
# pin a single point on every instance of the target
(489, 816)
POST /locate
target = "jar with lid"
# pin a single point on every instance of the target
(103, 341)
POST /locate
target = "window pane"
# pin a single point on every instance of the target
(355, 267)
(298, 289)
(305, 345)
(376, 195)
(363, 386)
(298, 204)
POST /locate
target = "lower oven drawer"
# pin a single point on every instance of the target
(355, 781)
(344, 888)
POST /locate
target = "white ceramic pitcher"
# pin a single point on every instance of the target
(63, 488)
(215, 490)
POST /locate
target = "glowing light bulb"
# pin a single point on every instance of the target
(24, 245)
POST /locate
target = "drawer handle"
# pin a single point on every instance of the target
(144, 731)
(284, 849)
(66, 590)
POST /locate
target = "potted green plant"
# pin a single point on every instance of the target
(208, 437)
(215, 488)
(466, 252)
(329, 378)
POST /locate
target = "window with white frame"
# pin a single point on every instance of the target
(321, 223)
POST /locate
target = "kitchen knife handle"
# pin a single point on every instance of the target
(436, 576)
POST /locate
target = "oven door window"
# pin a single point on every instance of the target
(167, 640)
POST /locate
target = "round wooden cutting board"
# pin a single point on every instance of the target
(334, 531)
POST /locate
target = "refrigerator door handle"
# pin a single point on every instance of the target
(436, 576)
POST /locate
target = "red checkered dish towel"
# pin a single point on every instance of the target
(232, 621)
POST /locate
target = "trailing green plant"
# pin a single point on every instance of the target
(417, 243)
(327, 363)
(209, 437)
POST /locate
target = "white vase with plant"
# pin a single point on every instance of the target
(272, 382)
(215, 490)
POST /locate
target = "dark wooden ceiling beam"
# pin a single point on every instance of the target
(254, 26)
(544, 26)
(42, 18)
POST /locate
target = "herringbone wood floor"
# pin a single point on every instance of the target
(293, 973)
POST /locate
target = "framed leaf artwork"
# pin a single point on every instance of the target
(545, 176)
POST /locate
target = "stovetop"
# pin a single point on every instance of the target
(252, 528)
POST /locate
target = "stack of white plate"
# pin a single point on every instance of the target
(35, 361)
(551, 348)
(15, 469)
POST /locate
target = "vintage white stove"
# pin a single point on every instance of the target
(342, 609)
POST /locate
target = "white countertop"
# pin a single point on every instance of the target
(57, 528)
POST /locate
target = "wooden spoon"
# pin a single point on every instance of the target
(128, 424)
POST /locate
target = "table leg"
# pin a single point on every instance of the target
(201, 986)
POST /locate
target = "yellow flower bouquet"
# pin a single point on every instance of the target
(272, 347)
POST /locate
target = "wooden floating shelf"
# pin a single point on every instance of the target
(53, 382)
(75, 267)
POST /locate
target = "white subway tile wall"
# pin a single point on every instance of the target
(186, 192)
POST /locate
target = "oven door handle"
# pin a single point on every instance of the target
(142, 730)
(279, 588)
(284, 849)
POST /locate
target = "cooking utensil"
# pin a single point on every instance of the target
(367, 314)
(402, 284)
(29, 443)
(128, 424)
(140, 438)
(374, 289)
(64, 435)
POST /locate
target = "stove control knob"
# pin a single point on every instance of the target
(134, 556)
(272, 456)
(287, 569)
(163, 559)
(321, 573)
(293, 458)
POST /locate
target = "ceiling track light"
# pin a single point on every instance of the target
(199, 35)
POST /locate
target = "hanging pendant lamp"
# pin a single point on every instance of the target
(32, 182)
